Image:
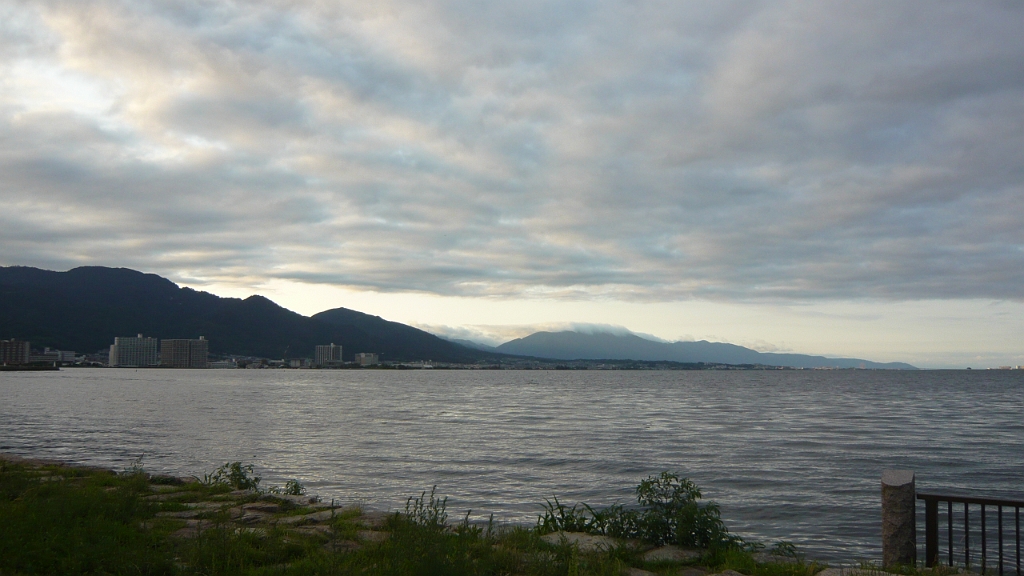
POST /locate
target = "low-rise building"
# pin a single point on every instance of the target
(366, 359)
(51, 355)
(134, 352)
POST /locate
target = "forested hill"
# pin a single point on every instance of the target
(574, 345)
(85, 308)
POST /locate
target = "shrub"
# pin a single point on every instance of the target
(234, 474)
(670, 512)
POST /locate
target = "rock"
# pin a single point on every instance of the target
(180, 514)
(267, 507)
(672, 554)
(164, 488)
(693, 571)
(243, 515)
(585, 542)
(769, 558)
(302, 500)
(341, 546)
(313, 529)
(163, 496)
(852, 571)
(205, 506)
(374, 519)
(252, 517)
(308, 518)
(192, 529)
(164, 480)
(730, 573)
(637, 572)
(372, 536)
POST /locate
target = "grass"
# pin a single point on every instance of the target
(61, 520)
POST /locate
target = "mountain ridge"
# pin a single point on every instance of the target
(84, 308)
(569, 345)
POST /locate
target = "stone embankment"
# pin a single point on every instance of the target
(187, 508)
(256, 513)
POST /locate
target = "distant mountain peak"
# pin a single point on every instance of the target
(571, 345)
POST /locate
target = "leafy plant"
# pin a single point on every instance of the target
(233, 474)
(428, 512)
(670, 512)
(294, 488)
(559, 517)
(135, 468)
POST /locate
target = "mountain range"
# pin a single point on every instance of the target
(85, 308)
(575, 345)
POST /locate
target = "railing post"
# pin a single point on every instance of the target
(899, 530)
(931, 532)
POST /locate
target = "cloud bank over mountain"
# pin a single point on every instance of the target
(725, 150)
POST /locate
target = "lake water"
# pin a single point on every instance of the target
(788, 455)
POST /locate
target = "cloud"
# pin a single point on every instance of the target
(494, 335)
(789, 151)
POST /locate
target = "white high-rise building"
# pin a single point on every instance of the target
(327, 355)
(134, 352)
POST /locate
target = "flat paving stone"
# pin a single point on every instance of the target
(312, 529)
(374, 519)
(164, 496)
(164, 488)
(267, 507)
(637, 572)
(204, 505)
(372, 535)
(730, 573)
(300, 500)
(769, 558)
(309, 518)
(179, 514)
(672, 554)
(852, 571)
(251, 517)
(192, 529)
(585, 542)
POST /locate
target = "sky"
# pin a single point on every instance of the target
(825, 177)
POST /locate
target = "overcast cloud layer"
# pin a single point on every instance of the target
(629, 150)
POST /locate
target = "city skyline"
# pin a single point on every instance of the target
(812, 177)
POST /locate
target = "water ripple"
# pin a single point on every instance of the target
(788, 455)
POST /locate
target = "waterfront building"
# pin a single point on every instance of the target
(185, 353)
(50, 355)
(366, 359)
(134, 352)
(14, 351)
(327, 355)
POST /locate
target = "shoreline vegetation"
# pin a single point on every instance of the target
(57, 518)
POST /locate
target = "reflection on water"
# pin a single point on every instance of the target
(793, 455)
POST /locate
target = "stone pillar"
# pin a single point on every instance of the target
(899, 526)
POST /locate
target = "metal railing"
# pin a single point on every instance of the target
(931, 529)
